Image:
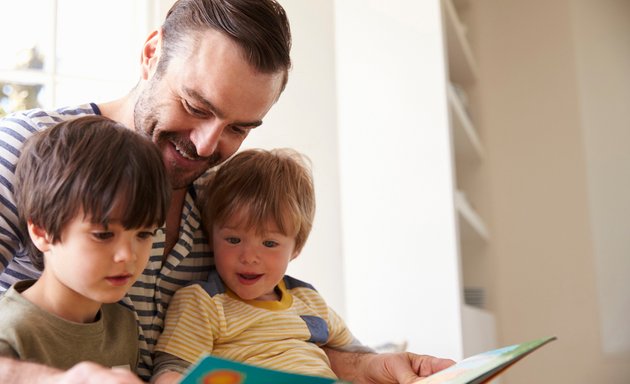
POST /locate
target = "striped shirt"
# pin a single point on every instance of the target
(284, 335)
(189, 259)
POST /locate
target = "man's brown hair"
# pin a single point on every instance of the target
(90, 165)
(259, 27)
(266, 185)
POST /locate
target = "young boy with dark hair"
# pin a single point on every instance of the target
(90, 195)
(258, 210)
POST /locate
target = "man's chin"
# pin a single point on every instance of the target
(181, 180)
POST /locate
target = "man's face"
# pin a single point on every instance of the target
(199, 111)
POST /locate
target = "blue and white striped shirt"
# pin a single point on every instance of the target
(190, 258)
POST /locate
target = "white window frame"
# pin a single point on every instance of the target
(150, 15)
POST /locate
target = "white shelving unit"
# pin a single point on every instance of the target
(462, 64)
(478, 323)
(467, 143)
(407, 143)
(472, 227)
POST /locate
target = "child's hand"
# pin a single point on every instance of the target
(91, 373)
(167, 377)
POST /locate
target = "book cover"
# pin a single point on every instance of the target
(477, 369)
(481, 368)
(215, 370)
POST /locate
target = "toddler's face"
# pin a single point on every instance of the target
(252, 262)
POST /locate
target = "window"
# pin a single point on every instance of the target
(64, 52)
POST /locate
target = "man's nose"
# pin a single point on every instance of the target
(207, 136)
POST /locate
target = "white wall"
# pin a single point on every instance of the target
(399, 240)
(602, 41)
(554, 100)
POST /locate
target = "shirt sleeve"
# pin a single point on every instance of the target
(340, 336)
(14, 130)
(191, 324)
(6, 350)
(164, 362)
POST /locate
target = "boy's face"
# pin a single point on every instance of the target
(91, 264)
(252, 264)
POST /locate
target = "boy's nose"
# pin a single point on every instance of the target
(125, 252)
(249, 256)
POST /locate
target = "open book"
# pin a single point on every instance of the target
(485, 366)
(476, 369)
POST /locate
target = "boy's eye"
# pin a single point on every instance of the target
(102, 235)
(233, 240)
(270, 243)
(146, 234)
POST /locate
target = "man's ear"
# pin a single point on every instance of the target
(39, 237)
(151, 54)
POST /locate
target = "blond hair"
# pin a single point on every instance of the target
(268, 185)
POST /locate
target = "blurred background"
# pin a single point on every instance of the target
(471, 160)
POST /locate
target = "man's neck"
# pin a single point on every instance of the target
(173, 219)
(120, 110)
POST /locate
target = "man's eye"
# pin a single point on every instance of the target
(194, 111)
(269, 243)
(102, 235)
(233, 240)
(240, 130)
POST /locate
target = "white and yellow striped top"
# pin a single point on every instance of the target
(284, 335)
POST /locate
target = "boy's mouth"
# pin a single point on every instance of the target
(248, 278)
(119, 280)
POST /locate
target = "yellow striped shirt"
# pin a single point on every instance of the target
(284, 335)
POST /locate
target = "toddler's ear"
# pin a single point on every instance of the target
(39, 237)
(295, 254)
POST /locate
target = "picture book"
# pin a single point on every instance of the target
(481, 368)
(215, 370)
(477, 369)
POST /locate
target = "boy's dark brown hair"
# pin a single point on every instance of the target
(268, 185)
(90, 165)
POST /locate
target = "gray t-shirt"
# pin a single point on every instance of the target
(29, 333)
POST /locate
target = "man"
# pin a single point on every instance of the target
(208, 76)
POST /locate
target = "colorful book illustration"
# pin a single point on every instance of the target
(481, 368)
(477, 369)
(215, 370)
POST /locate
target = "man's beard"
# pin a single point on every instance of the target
(146, 118)
(181, 177)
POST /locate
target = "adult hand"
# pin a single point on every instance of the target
(404, 367)
(91, 373)
(386, 368)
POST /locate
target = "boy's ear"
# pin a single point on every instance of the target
(39, 237)
(295, 254)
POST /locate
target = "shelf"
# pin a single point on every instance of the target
(465, 138)
(462, 64)
(479, 330)
(472, 226)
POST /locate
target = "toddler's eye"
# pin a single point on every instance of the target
(233, 240)
(269, 243)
